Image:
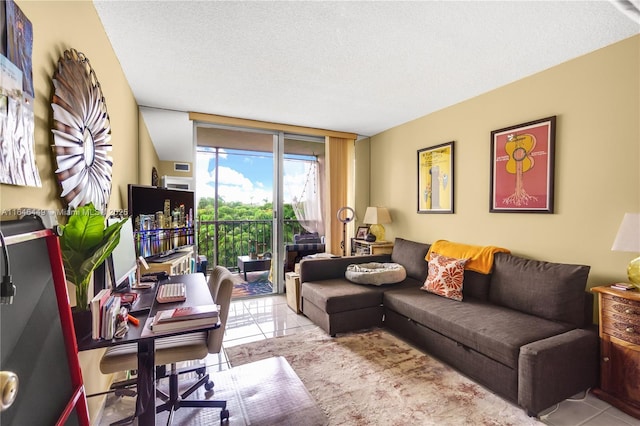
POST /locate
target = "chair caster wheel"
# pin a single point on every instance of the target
(125, 392)
(209, 385)
(201, 371)
(224, 415)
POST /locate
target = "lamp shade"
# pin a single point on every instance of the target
(376, 215)
(628, 237)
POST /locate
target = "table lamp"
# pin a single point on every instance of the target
(376, 216)
(628, 239)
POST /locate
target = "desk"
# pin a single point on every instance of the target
(247, 264)
(197, 294)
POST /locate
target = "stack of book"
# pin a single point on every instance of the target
(104, 311)
(623, 286)
(185, 318)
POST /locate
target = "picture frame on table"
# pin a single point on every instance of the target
(362, 232)
(436, 178)
(522, 167)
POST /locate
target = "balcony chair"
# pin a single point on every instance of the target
(303, 245)
(174, 349)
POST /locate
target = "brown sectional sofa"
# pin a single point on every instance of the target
(524, 330)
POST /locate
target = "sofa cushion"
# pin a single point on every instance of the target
(494, 331)
(553, 291)
(376, 273)
(476, 285)
(445, 276)
(339, 295)
(411, 254)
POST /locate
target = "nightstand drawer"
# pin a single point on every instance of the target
(620, 305)
(623, 331)
(621, 318)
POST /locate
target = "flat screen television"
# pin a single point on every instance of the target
(123, 261)
(162, 218)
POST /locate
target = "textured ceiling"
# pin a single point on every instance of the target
(360, 67)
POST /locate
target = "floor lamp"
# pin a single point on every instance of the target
(345, 219)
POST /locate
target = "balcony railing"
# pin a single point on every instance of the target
(223, 241)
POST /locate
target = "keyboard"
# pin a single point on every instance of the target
(173, 292)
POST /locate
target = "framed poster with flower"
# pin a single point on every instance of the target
(435, 179)
(522, 167)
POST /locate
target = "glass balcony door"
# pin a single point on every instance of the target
(244, 186)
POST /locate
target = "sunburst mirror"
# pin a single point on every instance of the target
(81, 133)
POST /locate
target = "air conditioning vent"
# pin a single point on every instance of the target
(181, 167)
(176, 182)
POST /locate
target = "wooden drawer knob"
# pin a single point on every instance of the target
(605, 359)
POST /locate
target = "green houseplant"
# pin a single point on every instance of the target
(86, 242)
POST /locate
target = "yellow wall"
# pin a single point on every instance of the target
(148, 156)
(58, 26)
(596, 99)
(167, 169)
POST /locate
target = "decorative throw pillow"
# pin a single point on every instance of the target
(445, 276)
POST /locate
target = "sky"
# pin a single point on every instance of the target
(248, 178)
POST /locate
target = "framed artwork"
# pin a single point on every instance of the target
(522, 167)
(435, 179)
(362, 232)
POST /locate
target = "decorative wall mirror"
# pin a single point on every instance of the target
(81, 132)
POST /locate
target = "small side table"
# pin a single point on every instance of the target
(619, 317)
(363, 248)
(292, 286)
(247, 264)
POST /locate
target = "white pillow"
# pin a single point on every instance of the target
(375, 273)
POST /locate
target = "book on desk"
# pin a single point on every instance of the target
(104, 310)
(184, 318)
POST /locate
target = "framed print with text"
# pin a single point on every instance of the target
(435, 179)
(522, 167)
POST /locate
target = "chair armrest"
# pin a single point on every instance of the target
(330, 268)
(553, 369)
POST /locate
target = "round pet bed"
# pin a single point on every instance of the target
(375, 273)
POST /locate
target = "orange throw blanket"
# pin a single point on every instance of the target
(480, 257)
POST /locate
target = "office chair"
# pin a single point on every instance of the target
(170, 350)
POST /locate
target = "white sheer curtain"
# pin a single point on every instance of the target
(307, 206)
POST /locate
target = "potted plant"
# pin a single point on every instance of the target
(86, 242)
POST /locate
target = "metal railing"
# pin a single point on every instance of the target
(223, 241)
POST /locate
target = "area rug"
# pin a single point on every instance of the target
(257, 283)
(374, 378)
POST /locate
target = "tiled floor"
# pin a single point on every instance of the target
(259, 318)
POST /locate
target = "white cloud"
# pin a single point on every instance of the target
(234, 186)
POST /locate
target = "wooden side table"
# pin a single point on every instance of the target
(619, 349)
(292, 286)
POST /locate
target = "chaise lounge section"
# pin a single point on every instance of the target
(524, 330)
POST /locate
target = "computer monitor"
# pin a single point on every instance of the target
(123, 262)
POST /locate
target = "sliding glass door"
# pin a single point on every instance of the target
(247, 183)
